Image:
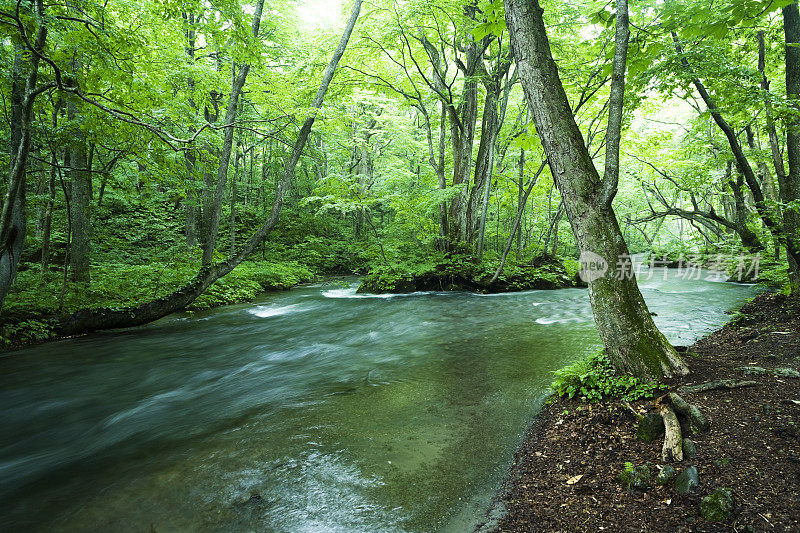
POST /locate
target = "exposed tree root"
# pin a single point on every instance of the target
(673, 440)
(698, 422)
(717, 384)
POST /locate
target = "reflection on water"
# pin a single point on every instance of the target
(316, 409)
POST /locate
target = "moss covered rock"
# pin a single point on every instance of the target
(717, 506)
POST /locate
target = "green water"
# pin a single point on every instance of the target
(314, 409)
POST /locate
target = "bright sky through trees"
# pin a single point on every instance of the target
(320, 13)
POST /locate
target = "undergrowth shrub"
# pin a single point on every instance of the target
(593, 379)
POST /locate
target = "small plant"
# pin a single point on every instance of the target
(593, 379)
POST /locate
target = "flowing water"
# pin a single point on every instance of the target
(315, 409)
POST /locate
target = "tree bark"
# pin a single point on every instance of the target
(790, 189)
(190, 156)
(95, 319)
(80, 197)
(24, 91)
(629, 335)
(749, 239)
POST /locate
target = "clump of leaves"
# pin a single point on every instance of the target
(593, 379)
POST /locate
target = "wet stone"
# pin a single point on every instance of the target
(687, 481)
(689, 449)
(666, 475)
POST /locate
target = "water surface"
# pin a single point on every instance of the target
(315, 409)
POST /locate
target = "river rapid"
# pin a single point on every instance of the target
(315, 409)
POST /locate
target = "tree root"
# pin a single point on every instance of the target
(717, 384)
(673, 441)
(698, 422)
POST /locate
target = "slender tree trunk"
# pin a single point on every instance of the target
(190, 154)
(51, 198)
(484, 162)
(95, 319)
(629, 335)
(234, 185)
(462, 137)
(749, 239)
(520, 197)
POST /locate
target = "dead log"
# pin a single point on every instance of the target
(717, 384)
(673, 440)
(698, 422)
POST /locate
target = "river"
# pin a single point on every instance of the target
(315, 409)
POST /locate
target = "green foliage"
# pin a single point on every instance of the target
(26, 332)
(250, 279)
(123, 285)
(593, 379)
(774, 275)
(461, 271)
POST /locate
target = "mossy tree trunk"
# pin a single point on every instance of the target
(790, 188)
(629, 335)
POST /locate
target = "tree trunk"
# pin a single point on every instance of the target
(462, 137)
(47, 220)
(80, 199)
(96, 319)
(790, 189)
(749, 239)
(484, 162)
(629, 335)
(520, 203)
(234, 185)
(24, 91)
(190, 155)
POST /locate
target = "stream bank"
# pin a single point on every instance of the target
(753, 447)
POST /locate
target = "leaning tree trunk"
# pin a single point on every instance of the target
(95, 319)
(629, 335)
(750, 240)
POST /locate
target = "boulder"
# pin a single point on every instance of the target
(651, 427)
(666, 475)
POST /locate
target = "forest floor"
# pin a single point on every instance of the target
(753, 447)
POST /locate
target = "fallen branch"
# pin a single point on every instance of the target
(717, 384)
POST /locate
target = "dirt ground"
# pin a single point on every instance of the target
(753, 447)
